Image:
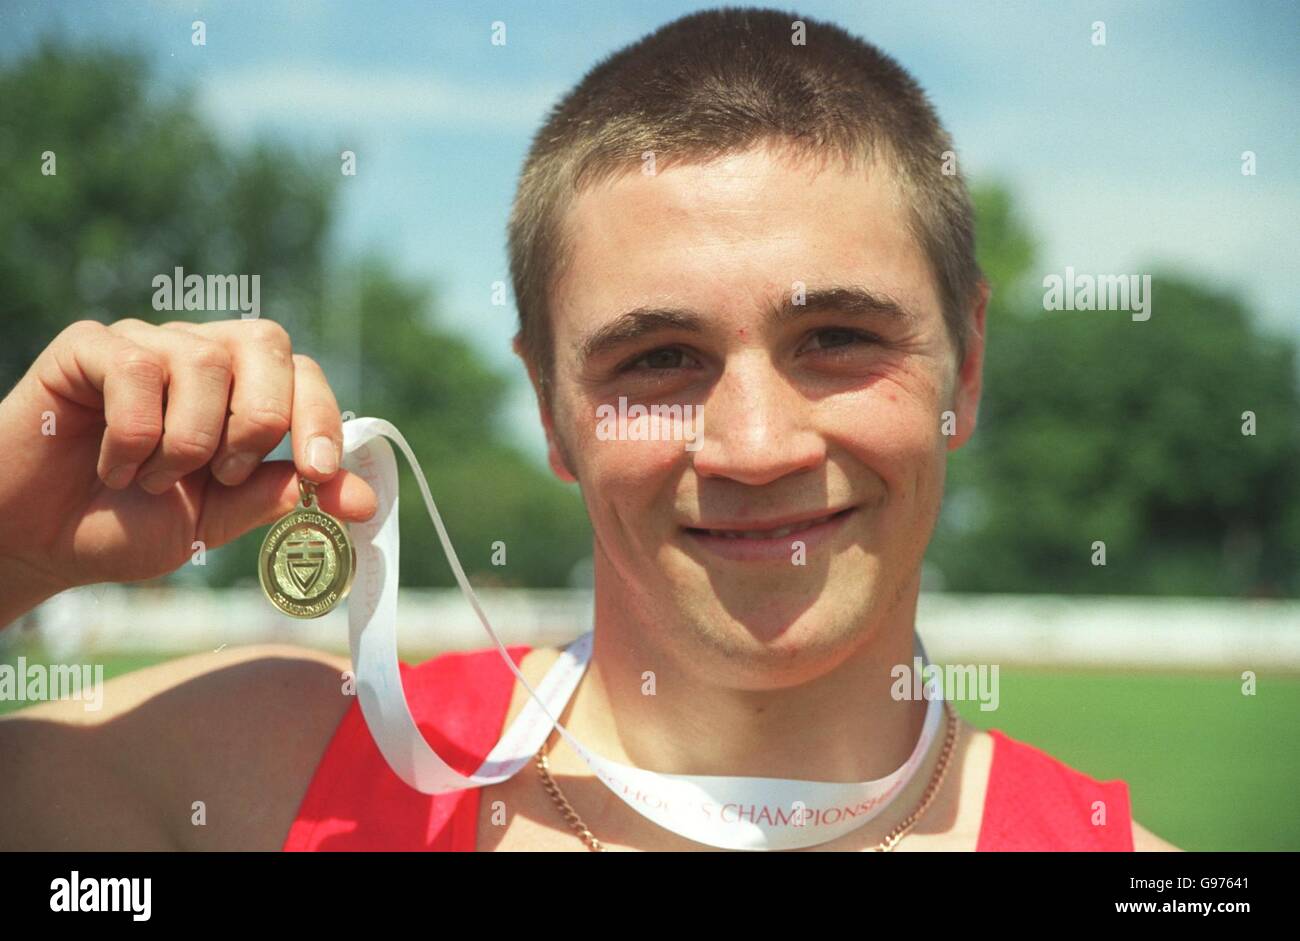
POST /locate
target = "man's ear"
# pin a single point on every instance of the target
(970, 374)
(555, 452)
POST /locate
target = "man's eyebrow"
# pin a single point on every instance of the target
(643, 321)
(856, 301)
(635, 324)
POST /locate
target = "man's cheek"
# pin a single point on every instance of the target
(631, 463)
(926, 380)
(905, 452)
(600, 458)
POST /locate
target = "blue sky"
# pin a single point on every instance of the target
(1120, 156)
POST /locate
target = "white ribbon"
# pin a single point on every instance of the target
(716, 810)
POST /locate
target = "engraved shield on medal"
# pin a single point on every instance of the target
(306, 563)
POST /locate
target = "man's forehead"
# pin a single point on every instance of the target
(754, 221)
(759, 181)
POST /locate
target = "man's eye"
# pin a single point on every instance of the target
(834, 337)
(669, 357)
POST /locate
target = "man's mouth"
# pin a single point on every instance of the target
(762, 539)
(776, 533)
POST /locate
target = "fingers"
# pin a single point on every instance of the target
(348, 497)
(130, 378)
(261, 397)
(183, 396)
(317, 426)
(258, 425)
(199, 372)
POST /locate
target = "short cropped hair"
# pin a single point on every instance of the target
(719, 82)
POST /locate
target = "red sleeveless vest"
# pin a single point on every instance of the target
(460, 700)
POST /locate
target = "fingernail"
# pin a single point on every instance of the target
(156, 482)
(120, 476)
(235, 466)
(322, 455)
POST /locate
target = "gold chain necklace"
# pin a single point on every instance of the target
(884, 846)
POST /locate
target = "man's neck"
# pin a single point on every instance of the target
(843, 726)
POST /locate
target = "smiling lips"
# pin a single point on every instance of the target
(777, 533)
(747, 542)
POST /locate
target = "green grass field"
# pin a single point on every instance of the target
(1207, 768)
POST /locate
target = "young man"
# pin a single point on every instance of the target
(744, 216)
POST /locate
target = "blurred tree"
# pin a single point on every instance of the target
(143, 186)
(1096, 427)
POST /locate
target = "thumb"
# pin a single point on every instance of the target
(270, 492)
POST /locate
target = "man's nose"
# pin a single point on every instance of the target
(757, 425)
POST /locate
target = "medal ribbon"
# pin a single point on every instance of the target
(717, 810)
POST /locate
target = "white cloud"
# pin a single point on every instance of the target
(300, 95)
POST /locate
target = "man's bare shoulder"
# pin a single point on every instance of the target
(247, 733)
(209, 751)
(287, 664)
(1144, 841)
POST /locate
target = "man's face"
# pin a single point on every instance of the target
(827, 414)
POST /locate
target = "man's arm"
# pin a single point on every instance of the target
(239, 732)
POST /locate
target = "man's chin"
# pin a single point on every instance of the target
(766, 622)
(779, 603)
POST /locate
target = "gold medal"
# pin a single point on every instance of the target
(307, 560)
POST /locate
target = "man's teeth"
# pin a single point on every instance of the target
(768, 533)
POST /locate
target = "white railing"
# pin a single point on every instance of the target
(1048, 630)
